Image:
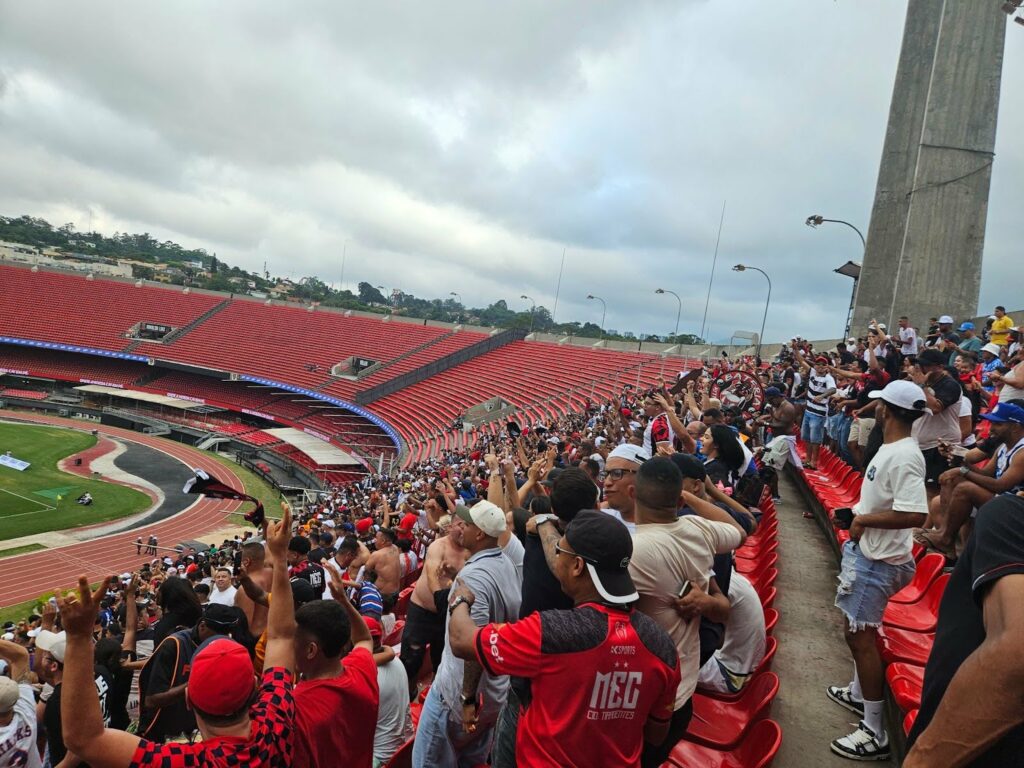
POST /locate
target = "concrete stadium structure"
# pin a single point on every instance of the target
(927, 231)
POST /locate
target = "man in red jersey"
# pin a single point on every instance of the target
(242, 723)
(336, 702)
(603, 676)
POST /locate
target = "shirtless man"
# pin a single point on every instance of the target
(782, 447)
(254, 563)
(347, 562)
(424, 622)
(385, 561)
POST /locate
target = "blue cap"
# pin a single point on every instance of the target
(967, 326)
(773, 392)
(1005, 412)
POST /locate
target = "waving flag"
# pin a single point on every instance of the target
(206, 484)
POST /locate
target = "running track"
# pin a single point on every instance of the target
(25, 577)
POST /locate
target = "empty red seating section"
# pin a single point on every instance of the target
(284, 343)
(66, 366)
(23, 394)
(48, 306)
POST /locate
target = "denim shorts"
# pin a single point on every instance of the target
(813, 428)
(866, 585)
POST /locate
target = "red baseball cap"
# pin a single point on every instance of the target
(374, 626)
(222, 678)
(364, 524)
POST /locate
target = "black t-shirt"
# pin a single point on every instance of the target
(51, 714)
(311, 572)
(995, 550)
(166, 669)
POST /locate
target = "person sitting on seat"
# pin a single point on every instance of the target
(85, 499)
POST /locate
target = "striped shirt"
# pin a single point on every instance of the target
(817, 386)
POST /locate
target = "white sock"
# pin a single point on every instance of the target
(873, 719)
(855, 692)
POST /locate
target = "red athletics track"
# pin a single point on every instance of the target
(25, 577)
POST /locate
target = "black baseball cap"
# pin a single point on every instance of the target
(222, 617)
(605, 545)
(551, 476)
(690, 466)
(302, 592)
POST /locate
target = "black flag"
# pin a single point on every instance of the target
(208, 485)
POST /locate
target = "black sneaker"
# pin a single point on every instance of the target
(842, 697)
(863, 744)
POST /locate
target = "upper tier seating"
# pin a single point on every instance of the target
(48, 306)
(67, 366)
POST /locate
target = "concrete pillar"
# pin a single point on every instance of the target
(927, 231)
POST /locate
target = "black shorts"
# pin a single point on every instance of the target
(934, 465)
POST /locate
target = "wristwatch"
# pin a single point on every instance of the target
(539, 519)
(964, 469)
(456, 603)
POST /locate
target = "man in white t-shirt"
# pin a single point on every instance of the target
(905, 338)
(394, 723)
(18, 727)
(223, 592)
(878, 561)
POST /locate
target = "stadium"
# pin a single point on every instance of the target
(254, 517)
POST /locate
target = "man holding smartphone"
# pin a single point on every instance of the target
(878, 561)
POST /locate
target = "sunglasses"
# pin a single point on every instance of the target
(570, 553)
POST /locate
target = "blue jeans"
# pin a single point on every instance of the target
(865, 586)
(441, 742)
(812, 430)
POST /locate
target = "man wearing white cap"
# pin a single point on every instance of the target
(620, 483)
(18, 727)
(462, 692)
(878, 561)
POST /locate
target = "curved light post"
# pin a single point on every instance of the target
(744, 268)
(604, 311)
(533, 306)
(675, 334)
(458, 299)
(850, 269)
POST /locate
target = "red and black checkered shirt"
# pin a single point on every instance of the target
(269, 742)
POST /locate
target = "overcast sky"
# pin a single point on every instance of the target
(461, 146)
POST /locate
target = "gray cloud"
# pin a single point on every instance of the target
(461, 146)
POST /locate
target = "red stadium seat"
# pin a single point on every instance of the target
(395, 636)
(905, 681)
(908, 721)
(771, 618)
(928, 569)
(752, 567)
(403, 757)
(921, 616)
(402, 604)
(722, 724)
(903, 645)
(757, 750)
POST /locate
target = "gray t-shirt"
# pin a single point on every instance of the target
(497, 588)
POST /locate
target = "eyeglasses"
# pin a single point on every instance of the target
(570, 553)
(616, 474)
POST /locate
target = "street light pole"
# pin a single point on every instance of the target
(604, 311)
(533, 306)
(458, 299)
(816, 221)
(744, 268)
(679, 312)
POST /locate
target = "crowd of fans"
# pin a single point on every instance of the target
(568, 586)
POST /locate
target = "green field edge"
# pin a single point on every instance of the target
(24, 548)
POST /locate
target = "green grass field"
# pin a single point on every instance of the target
(28, 500)
(254, 485)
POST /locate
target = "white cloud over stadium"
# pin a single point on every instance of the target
(461, 146)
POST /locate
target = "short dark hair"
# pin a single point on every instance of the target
(349, 544)
(905, 415)
(711, 413)
(202, 589)
(254, 550)
(591, 467)
(389, 534)
(659, 483)
(299, 544)
(540, 505)
(327, 623)
(573, 490)
(1000, 308)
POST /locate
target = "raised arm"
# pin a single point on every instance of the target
(712, 512)
(17, 658)
(281, 616)
(81, 717)
(360, 632)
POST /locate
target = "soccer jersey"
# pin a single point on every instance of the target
(817, 386)
(311, 572)
(269, 742)
(18, 738)
(657, 431)
(598, 673)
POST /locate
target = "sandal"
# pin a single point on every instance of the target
(929, 542)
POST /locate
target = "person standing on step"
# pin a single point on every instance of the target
(878, 562)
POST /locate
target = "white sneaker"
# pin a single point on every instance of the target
(841, 695)
(863, 744)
